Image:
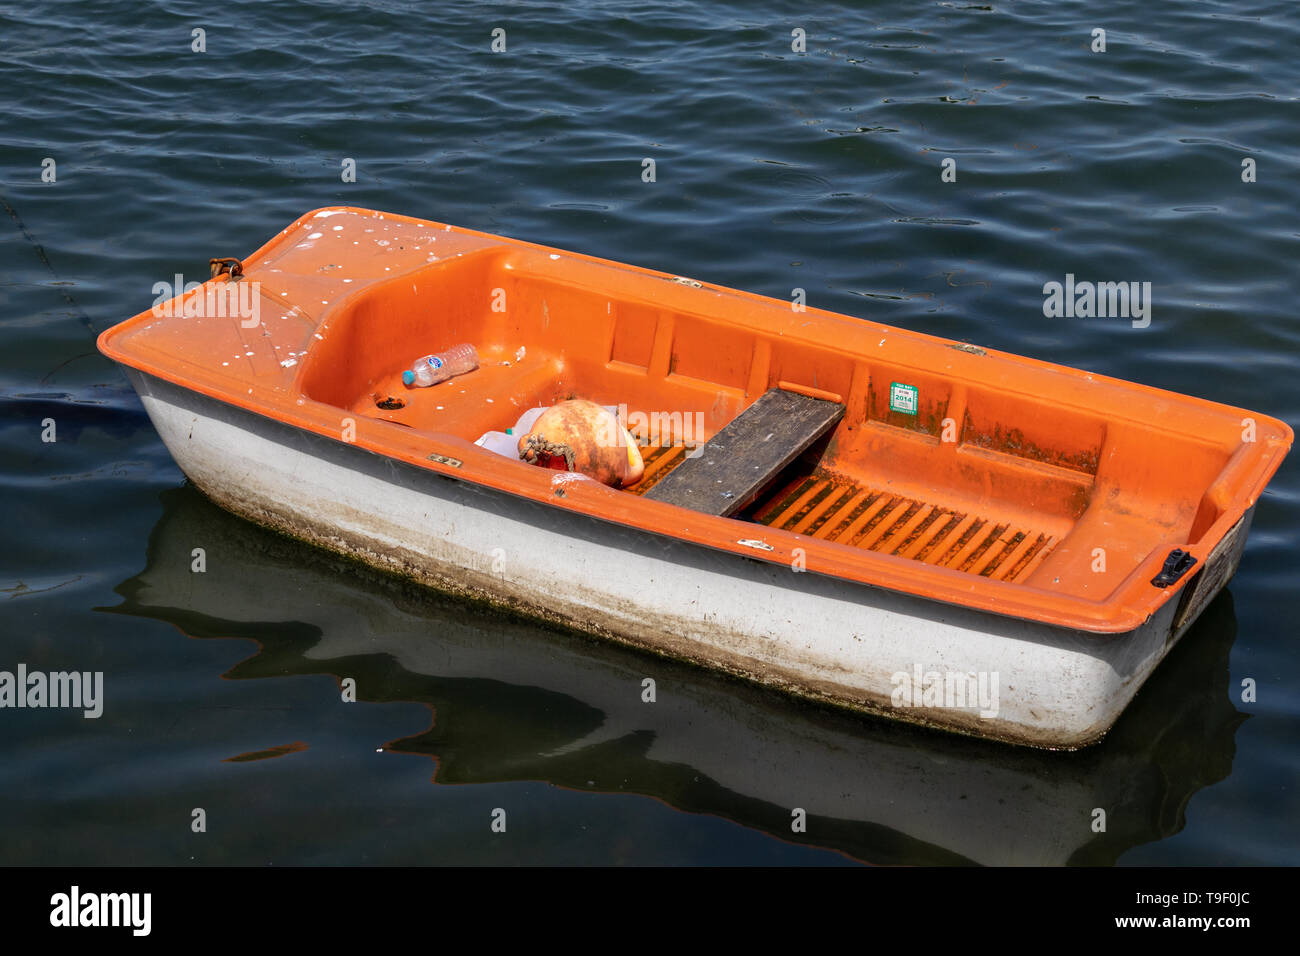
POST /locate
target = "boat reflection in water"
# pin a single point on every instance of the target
(514, 700)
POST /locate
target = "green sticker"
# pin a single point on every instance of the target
(903, 398)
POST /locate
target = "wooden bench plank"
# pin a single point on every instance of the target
(737, 462)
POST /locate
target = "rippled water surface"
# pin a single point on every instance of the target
(775, 170)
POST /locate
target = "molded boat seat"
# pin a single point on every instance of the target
(742, 459)
(490, 397)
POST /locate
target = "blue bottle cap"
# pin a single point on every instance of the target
(408, 377)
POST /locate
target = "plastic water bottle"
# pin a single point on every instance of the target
(441, 366)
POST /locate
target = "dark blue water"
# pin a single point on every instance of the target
(775, 170)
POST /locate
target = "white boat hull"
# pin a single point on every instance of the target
(814, 636)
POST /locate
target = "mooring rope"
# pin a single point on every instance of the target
(535, 445)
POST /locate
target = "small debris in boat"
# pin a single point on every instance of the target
(390, 403)
(563, 478)
(289, 362)
(519, 356)
(554, 256)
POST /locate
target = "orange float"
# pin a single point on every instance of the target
(577, 435)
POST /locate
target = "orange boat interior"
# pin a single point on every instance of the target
(983, 464)
(1021, 487)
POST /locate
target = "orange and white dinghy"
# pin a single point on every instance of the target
(848, 512)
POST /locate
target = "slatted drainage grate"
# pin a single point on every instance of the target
(825, 508)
